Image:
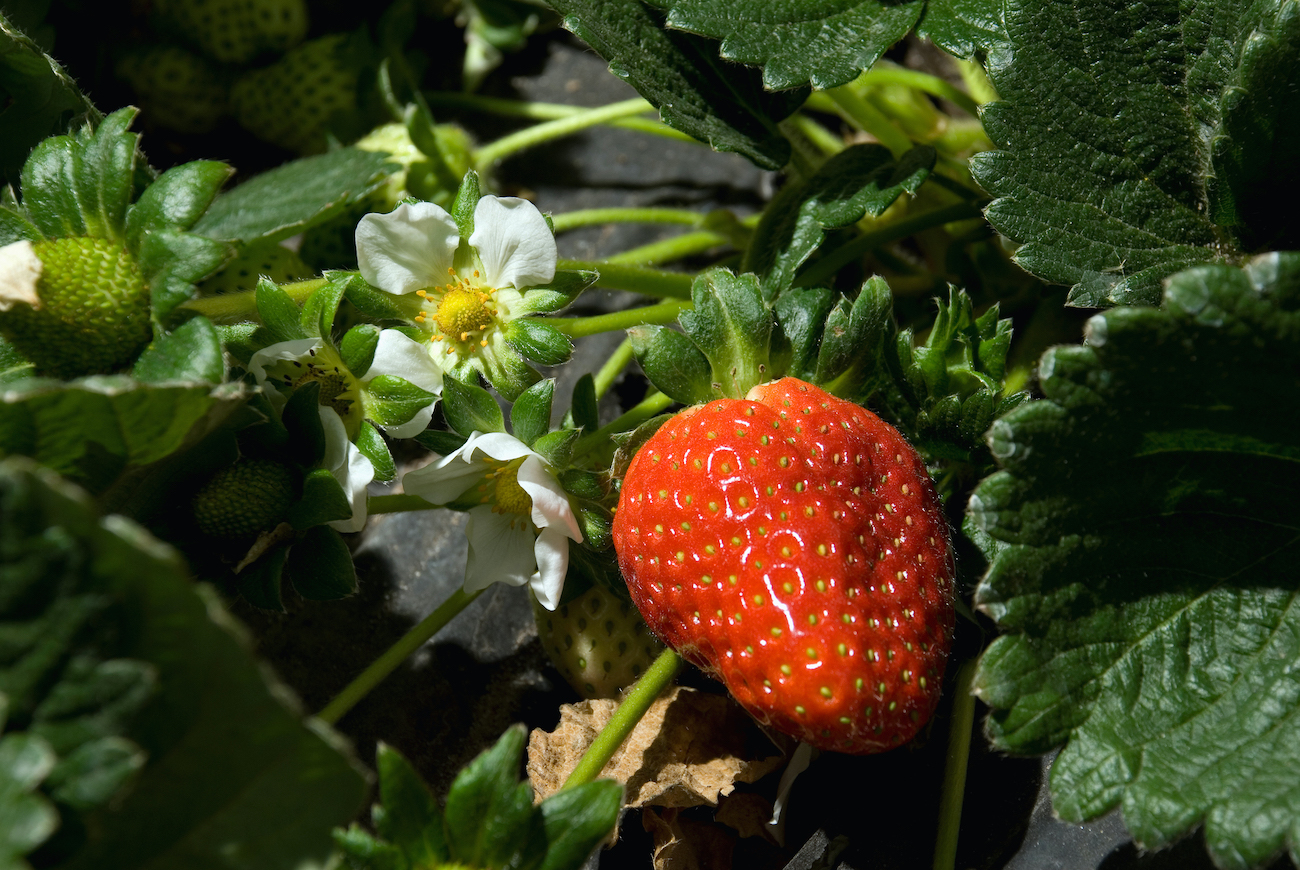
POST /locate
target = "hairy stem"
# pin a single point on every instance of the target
(630, 419)
(590, 216)
(613, 367)
(638, 279)
(546, 112)
(577, 327)
(862, 114)
(492, 153)
(239, 307)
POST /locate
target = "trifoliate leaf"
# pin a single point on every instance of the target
(682, 75)
(1139, 140)
(796, 43)
(1143, 542)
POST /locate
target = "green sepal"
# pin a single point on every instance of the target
(358, 347)
(320, 308)
(301, 417)
(279, 313)
(15, 228)
(490, 819)
(628, 444)
(469, 408)
(853, 339)
(557, 447)
(392, 401)
(361, 851)
(323, 501)
(440, 441)
(577, 820)
(732, 326)
(373, 446)
(94, 772)
(537, 341)
(320, 565)
(171, 262)
(191, 353)
(584, 410)
(673, 363)
(507, 372)
(375, 303)
(801, 315)
(563, 290)
(242, 340)
(583, 483)
(260, 582)
(462, 208)
(530, 416)
(597, 525)
(177, 199)
(411, 818)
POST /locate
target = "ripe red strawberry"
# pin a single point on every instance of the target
(792, 545)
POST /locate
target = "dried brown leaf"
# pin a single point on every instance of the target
(686, 844)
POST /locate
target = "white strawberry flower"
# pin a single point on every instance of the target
(349, 467)
(467, 293)
(519, 531)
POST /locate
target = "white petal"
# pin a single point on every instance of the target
(513, 241)
(350, 468)
(282, 351)
(498, 445)
(551, 508)
(444, 479)
(500, 551)
(408, 249)
(552, 554)
(398, 356)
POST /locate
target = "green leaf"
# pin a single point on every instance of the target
(440, 441)
(1143, 537)
(536, 340)
(176, 199)
(732, 325)
(94, 772)
(673, 363)
(469, 408)
(861, 180)
(231, 770)
(853, 339)
(682, 75)
(323, 501)
(530, 416)
(191, 353)
(1117, 172)
(286, 200)
(411, 819)
(358, 347)
(484, 817)
(578, 820)
(172, 261)
(796, 43)
(14, 227)
(584, 409)
(373, 446)
(278, 312)
(320, 565)
(391, 401)
(38, 99)
(27, 819)
(962, 27)
(376, 304)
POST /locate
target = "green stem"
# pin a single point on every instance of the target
(395, 655)
(867, 117)
(238, 307)
(817, 134)
(397, 504)
(977, 82)
(589, 216)
(625, 718)
(824, 269)
(613, 367)
(676, 248)
(883, 74)
(638, 279)
(630, 419)
(954, 775)
(492, 153)
(546, 112)
(577, 327)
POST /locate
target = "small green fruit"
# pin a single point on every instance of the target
(598, 642)
(251, 496)
(271, 260)
(236, 31)
(176, 88)
(90, 311)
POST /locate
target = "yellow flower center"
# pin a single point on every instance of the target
(501, 489)
(337, 389)
(462, 310)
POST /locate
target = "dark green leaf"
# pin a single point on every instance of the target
(392, 401)
(861, 180)
(411, 818)
(682, 75)
(479, 793)
(49, 188)
(585, 407)
(358, 347)
(94, 772)
(440, 441)
(537, 341)
(795, 43)
(320, 565)
(279, 313)
(577, 820)
(323, 501)
(962, 27)
(1122, 137)
(469, 408)
(732, 325)
(15, 228)
(13, 365)
(1144, 536)
(361, 851)
(191, 353)
(673, 363)
(530, 416)
(176, 199)
(373, 446)
(288, 199)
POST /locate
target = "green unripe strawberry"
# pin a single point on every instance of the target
(236, 31)
(240, 500)
(176, 88)
(89, 312)
(271, 260)
(291, 102)
(597, 641)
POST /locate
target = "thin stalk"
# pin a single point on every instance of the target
(588, 216)
(882, 74)
(546, 112)
(824, 269)
(613, 367)
(395, 655)
(818, 135)
(492, 153)
(577, 327)
(977, 82)
(685, 245)
(954, 774)
(630, 419)
(397, 504)
(867, 117)
(625, 718)
(650, 282)
(238, 307)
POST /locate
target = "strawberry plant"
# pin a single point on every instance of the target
(990, 398)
